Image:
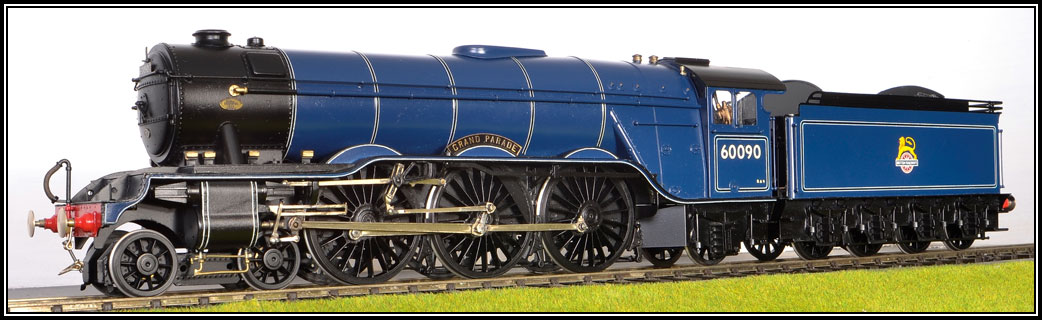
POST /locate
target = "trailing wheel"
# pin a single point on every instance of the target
(354, 259)
(271, 266)
(143, 263)
(604, 205)
(490, 254)
(662, 257)
(703, 256)
(764, 250)
(908, 242)
(808, 250)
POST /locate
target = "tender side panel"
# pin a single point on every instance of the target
(855, 152)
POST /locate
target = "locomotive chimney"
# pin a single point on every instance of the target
(212, 38)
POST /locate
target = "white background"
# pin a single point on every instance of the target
(69, 92)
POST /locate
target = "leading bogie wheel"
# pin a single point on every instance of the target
(271, 266)
(143, 263)
(662, 257)
(492, 253)
(605, 205)
(353, 259)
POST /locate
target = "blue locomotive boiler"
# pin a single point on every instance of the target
(269, 164)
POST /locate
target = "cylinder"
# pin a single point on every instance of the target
(227, 215)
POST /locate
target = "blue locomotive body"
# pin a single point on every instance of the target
(549, 107)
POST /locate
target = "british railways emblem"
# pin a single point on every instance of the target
(906, 158)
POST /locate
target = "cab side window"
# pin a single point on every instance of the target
(746, 108)
(722, 110)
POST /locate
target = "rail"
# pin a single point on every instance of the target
(642, 275)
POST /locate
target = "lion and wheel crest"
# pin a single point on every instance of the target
(906, 157)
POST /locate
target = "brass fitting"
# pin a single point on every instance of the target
(235, 90)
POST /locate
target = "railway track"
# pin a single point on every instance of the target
(680, 273)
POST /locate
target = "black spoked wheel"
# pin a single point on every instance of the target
(605, 205)
(353, 259)
(272, 266)
(957, 239)
(909, 243)
(764, 250)
(662, 257)
(143, 264)
(862, 248)
(810, 251)
(493, 253)
(703, 256)
(426, 263)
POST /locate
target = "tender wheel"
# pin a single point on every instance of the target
(143, 263)
(604, 204)
(662, 257)
(362, 260)
(957, 240)
(273, 266)
(703, 256)
(908, 243)
(810, 251)
(764, 250)
(493, 253)
(862, 250)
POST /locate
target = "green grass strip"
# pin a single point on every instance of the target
(998, 287)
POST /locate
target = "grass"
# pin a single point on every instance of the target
(999, 287)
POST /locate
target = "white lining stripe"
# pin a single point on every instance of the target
(455, 103)
(531, 94)
(803, 176)
(604, 106)
(376, 100)
(292, 102)
(253, 211)
(716, 162)
(206, 216)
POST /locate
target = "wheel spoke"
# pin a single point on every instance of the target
(483, 256)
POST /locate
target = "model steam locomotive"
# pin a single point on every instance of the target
(270, 164)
